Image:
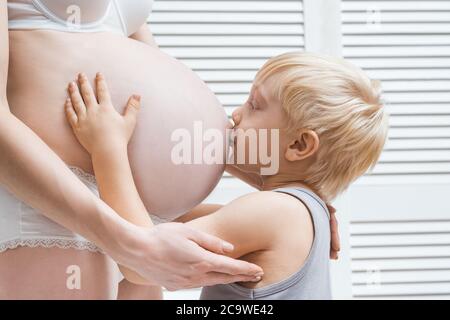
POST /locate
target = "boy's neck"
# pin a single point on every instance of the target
(277, 182)
(267, 183)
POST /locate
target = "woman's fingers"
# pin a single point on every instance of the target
(210, 242)
(335, 240)
(219, 263)
(77, 100)
(103, 95)
(214, 278)
(226, 265)
(334, 228)
(86, 91)
(70, 113)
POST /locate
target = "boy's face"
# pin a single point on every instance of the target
(262, 110)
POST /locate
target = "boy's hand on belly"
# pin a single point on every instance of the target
(97, 125)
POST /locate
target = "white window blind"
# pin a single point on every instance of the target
(406, 44)
(399, 224)
(395, 226)
(226, 42)
(399, 242)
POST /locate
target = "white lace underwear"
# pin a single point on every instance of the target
(23, 226)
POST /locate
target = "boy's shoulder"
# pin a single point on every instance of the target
(272, 203)
(278, 218)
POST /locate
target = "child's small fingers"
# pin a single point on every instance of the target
(77, 100)
(103, 95)
(86, 91)
(70, 113)
(134, 103)
(132, 110)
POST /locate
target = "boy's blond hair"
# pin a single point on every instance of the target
(341, 104)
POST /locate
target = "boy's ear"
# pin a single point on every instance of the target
(305, 146)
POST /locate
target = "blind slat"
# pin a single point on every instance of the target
(365, 6)
(233, 6)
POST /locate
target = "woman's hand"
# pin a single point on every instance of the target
(178, 257)
(335, 246)
(96, 124)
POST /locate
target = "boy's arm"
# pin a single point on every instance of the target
(109, 152)
(109, 157)
(199, 211)
(117, 188)
(254, 222)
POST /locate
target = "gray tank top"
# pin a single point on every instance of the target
(312, 281)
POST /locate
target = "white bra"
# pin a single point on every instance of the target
(119, 16)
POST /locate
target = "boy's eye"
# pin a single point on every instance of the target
(251, 105)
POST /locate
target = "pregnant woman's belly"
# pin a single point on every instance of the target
(42, 63)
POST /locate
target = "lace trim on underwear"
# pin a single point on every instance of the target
(49, 243)
(84, 175)
(157, 220)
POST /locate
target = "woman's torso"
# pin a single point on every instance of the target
(43, 60)
(46, 271)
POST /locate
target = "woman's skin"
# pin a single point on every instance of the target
(36, 144)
